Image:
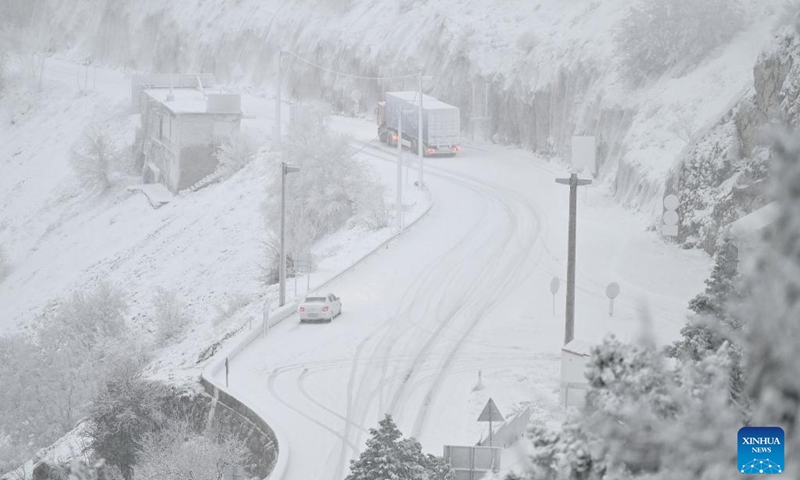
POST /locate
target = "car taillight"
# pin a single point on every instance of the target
(456, 149)
(302, 309)
(324, 309)
(431, 151)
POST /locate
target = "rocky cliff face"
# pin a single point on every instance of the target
(723, 175)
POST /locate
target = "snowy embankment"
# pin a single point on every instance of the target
(551, 70)
(204, 246)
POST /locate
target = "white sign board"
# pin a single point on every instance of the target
(472, 462)
(574, 359)
(583, 154)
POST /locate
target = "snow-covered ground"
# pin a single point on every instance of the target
(466, 290)
(523, 49)
(462, 293)
(205, 246)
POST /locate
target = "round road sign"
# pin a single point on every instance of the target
(612, 290)
(356, 95)
(554, 284)
(671, 202)
(671, 217)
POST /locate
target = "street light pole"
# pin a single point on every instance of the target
(399, 219)
(573, 182)
(277, 140)
(420, 136)
(285, 169)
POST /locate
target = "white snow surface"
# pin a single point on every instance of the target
(463, 293)
(524, 45)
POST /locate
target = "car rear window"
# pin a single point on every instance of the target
(315, 299)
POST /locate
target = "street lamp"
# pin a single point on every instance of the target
(574, 182)
(285, 170)
(420, 141)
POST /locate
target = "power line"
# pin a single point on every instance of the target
(362, 77)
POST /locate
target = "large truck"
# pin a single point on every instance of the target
(441, 123)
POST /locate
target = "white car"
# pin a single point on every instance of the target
(320, 308)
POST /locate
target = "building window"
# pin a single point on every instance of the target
(166, 127)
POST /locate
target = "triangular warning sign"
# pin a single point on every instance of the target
(490, 413)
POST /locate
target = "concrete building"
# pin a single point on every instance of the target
(181, 129)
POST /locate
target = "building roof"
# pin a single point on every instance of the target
(428, 102)
(756, 221)
(578, 347)
(191, 100)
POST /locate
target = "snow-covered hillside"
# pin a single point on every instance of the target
(553, 69)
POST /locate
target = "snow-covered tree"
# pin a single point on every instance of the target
(637, 415)
(715, 321)
(178, 452)
(773, 309)
(389, 456)
(169, 314)
(52, 373)
(92, 157)
(233, 153)
(125, 411)
(332, 190)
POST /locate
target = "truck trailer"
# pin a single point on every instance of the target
(441, 123)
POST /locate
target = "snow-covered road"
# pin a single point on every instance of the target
(462, 291)
(407, 313)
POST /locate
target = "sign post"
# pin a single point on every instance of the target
(490, 414)
(574, 183)
(302, 264)
(612, 292)
(265, 325)
(554, 284)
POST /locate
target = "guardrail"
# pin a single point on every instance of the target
(221, 393)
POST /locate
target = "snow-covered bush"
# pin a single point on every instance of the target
(128, 408)
(716, 322)
(90, 316)
(92, 157)
(56, 370)
(718, 182)
(772, 308)
(233, 153)
(170, 315)
(389, 455)
(657, 35)
(636, 419)
(267, 269)
(177, 451)
(5, 264)
(331, 189)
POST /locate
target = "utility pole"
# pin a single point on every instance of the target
(573, 182)
(285, 169)
(400, 172)
(277, 140)
(420, 136)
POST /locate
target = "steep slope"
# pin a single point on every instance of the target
(551, 70)
(722, 176)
